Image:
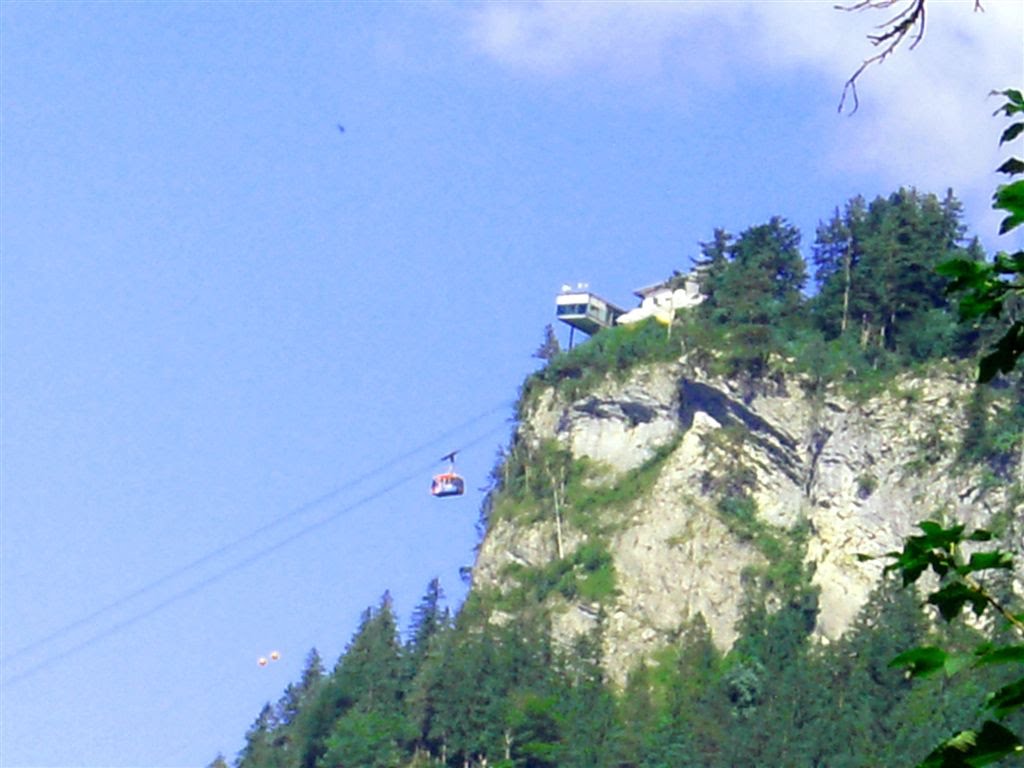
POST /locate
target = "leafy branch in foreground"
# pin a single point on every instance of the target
(991, 289)
(940, 550)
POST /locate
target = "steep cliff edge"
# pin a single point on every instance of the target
(669, 494)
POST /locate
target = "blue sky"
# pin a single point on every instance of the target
(235, 339)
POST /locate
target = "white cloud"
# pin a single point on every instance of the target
(638, 39)
(924, 117)
(558, 39)
(930, 119)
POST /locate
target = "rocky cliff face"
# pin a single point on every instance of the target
(727, 470)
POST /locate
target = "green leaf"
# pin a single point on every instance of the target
(1012, 166)
(1009, 263)
(1014, 102)
(993, 744)
(951, 599)
(1010, 197)
(980, 304)
(984, 561)
(933, 549)
(1012, 132)
(932, 529)
(973, 749)
(922, 661)
(939, 536)
(1010, 222)
(911, 562)
(1003, 654)
(980, 534)
(955, 662)
(1006, 699)
(959, 268)
(988, 366)
(910, 570)
(1003, 357)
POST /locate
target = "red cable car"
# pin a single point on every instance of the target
(448, 483)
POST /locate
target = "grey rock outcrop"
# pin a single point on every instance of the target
(856, 476)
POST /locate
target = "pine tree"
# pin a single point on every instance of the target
(835, 256)
(370, 670)
(863, 689)
(365, 739)
(367, 678)
(587, 708)
(902, 238)
(711, 265)
(428, 619)
(259, 750)
(550, 347)
(313, 672)
(636, 717)
(468, 694)
(429, 636)
(757, 293)
(875, 269)
(425, 692)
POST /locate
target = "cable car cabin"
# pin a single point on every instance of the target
(447, 484)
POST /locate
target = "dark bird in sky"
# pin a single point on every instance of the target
(341, 127)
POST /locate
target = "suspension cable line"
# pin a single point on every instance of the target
(220, 551)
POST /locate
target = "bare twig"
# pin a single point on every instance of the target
(909, 20)
(898, 27)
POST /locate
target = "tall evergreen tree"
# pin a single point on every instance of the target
(863, 689)
(313, 672)
(587, 707)
(259, 750)
(365, 739)
(468, 722)
(637, 716)
(756, 292)
(835, 256)
(711, 265)
(550, 347)
(429, 637)
(876, 272)
(367, 677)
(370, 671)
(297, 694)
(428, 619)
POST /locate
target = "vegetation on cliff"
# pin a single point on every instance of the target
(879, 306)
(491, 687)
(465, 690)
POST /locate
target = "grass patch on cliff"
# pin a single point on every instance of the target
(587, 574)
(539, 478)
(730, 483)
(860, 371)
(612, 352)
(993, 433)
(586, 498)
(783, 549)
(530, 478)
